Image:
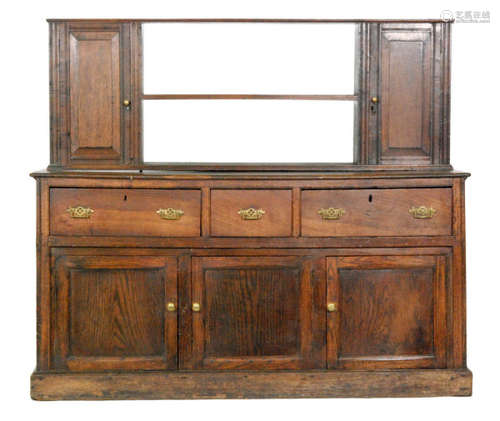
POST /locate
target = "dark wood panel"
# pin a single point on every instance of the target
(386, 311)
(114, 312)
(406, 82)
(95, 95)
(257, 313)
(226, 222)
(110, 313)
(251, 312)
(376, 212)
(391, 312)
(120, 212)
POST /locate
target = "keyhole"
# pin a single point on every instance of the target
(370, 198)
(125, 198)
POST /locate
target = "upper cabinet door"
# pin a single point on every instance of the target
(412, 94)
(93, 103)
(387, 312)
(255, 313)
(94, 95)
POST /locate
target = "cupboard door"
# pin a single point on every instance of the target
(406, 80)
(257, 313)
(115, 313)
(95, 96)
(389, 312)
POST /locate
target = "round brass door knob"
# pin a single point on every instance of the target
(374, 99)
(171, 307)
(331, 307)
(126, 103)
(196, 307)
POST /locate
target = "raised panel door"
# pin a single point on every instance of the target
(389, 312)
(257, 313)
(113, 313)
(95, 96)
(406, 81)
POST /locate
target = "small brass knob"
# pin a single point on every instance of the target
(331, 307)
(171, 307)
(126, 103)
(196, 307)
(374, 99)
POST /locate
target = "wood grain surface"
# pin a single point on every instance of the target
(126, 212)
(110, 313)
(257, 313)
(252, 385)
(376, 212)
(276, 222)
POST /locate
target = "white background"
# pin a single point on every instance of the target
(25, 147)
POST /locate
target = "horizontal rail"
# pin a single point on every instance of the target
(237, 20)
(252, 96)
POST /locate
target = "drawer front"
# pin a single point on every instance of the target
(126, 212)
(377, 212)
(251, 213)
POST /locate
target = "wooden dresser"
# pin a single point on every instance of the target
(166, 281)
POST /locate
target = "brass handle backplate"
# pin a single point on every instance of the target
(170, 213)
(196, 307)
(331, 213)
(331, 307)
(251, 213)
(422, 212)
(81, 212)
(171, 306)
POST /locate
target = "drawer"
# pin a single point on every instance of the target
(251, 213)
(376, 212)
(127, 212)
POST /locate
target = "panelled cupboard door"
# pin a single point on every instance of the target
(406, 86)
(115, 313)
(257, 313)
(388, 312)
(95, 95)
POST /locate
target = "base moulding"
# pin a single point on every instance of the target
(251, 385)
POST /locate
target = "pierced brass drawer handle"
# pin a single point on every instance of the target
(170, 213)
(422, 212)
(80, 212)
(331, 213)
(251, 213)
